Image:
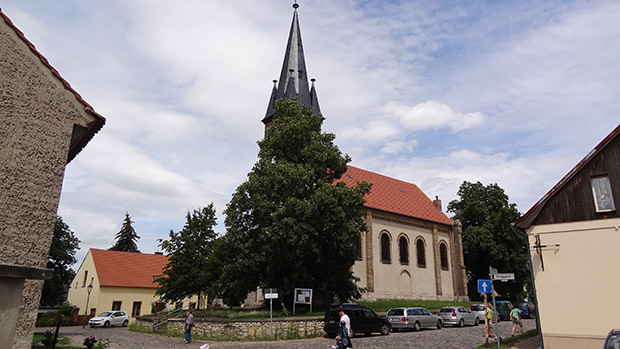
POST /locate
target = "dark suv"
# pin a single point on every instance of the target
(363, 320)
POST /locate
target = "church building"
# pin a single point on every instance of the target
(412, 250)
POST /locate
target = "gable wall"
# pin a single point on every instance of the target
(37, 116)
(574, 201)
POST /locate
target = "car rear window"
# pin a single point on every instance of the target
(395, 312)
(446, 310)
(479, 307)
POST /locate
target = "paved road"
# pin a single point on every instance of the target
(445, 338)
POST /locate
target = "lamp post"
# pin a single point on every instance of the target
(90, 289)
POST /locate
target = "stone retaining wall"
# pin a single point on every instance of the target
(289, 328)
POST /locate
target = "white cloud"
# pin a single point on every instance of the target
(432, 115)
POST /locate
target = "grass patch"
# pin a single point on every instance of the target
(383, 305)
(510, 341)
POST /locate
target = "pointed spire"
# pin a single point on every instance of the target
(293, 81)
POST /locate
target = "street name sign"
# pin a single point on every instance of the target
(503, 276)
(484, 286)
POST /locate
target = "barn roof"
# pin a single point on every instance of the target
(528, 218)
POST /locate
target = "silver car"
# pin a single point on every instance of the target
(458, 315)
(413, 318)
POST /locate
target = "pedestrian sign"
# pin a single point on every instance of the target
(484, 286)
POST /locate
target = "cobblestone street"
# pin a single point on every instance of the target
(446, 338)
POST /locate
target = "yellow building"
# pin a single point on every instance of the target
(574, 234)
(120, 281)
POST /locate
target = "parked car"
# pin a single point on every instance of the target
(413, 318)
(613, 340)
(503, 308)
(110, 318)
(363, 320)
(458, 315)
(528, 310)
(482, 313)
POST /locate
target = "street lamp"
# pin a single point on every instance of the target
(90, 289)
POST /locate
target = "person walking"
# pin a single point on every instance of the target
(189, 323)
(345, 328)
(515, 316)
(489, 327)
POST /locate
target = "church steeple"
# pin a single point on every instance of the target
(293, 81)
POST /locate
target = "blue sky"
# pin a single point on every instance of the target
(431, 92)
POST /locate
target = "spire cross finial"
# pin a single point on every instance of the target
(295, 5)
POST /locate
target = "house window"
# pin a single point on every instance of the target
(443, 254)
(419, 247)
(116, 305)
(358, 247)
(603, 198)
(85, 277)
(403, 247)
(135, 310)
(385, 248)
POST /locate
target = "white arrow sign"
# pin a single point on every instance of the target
(504, 276)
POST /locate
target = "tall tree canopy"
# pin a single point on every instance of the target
(489, 239)
(288, 225)
(61, 257)
(126, 238)
(191, 269)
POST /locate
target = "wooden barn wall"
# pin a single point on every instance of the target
(574, 201)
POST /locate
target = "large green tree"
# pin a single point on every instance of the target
(289, 225)
(192, 268)
(126, 238)
(489, 238)
(61, 257)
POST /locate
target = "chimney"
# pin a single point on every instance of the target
(437, 203)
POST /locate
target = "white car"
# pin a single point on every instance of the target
(110, 318)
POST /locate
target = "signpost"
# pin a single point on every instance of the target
(270, 293)
(503, 277)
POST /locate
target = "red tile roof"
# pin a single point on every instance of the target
(76, 144)
(396, 196)
(128, 269)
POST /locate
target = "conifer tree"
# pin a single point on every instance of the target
(126, 238)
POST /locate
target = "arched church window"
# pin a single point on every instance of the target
(358, 247)
(443, 254)
(385, 248)
(403, 246)
(421, 254)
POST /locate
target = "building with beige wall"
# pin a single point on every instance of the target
(121, 281)
(44, 124)
(410, 250)
(574, 234)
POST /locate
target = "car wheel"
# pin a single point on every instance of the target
(385, 329)
(477, 322)
(461, 323)
(416, 326)
(439, 324)
(106, 324)
(125, 323)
